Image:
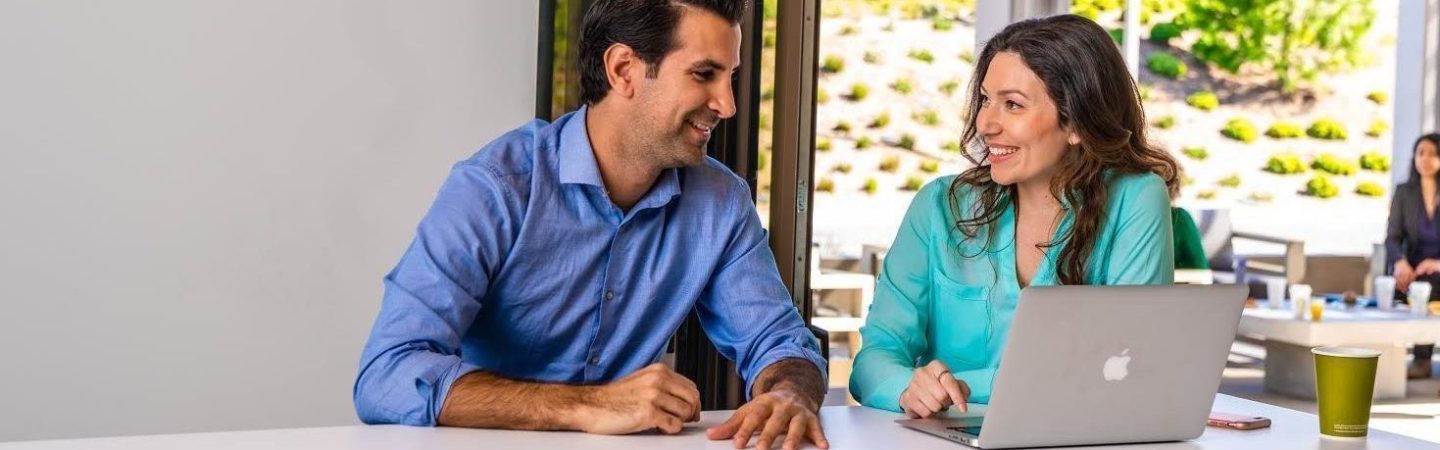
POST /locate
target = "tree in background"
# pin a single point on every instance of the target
(1092, 9)
(1293, 39)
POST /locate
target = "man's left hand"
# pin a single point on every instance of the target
(773, 413)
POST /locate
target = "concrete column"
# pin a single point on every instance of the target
(991, 16)
(1132, 37)
(1415, 103)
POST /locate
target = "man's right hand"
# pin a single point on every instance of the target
(933, 389)
(651, 398)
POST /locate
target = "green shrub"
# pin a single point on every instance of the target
(842, 127)
(821, 96)
(1379, 97)
(832, 64)
(1377, 128)
(951, 146)
(871, 57)
(949, 87)
(762, 159)
(1149, 8)
(927, 117)
(880, 121)
(1117, 35)
(1166, 65)
(913, 183)
(1091, 9)
(1203, 100)
(1196, 153)
(848, 30)
(907, 141)
(929, 166)
(1369, 189)
(768, 93)
(1206, 194)
(1284, 130)
(1261, 197)
(1284, 164)
(913, 10)
(870, 186)
(1375, 161)
(1185, 180)
(764, 121)
(1164, 122)
(863, 143)
(1230, 181)
(825, 185)
(902, 86)
(858, 92)
(1333, 165)
(843, 167)
(823, 145)
(942, 24)
(1240, 129)
(769, 39)
(890, 164)
(968, 56)
(1162, 33)
(1321, 186)
(921, 55)
(1327, 129)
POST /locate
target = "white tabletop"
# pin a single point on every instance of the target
(1340, 326)
(846, 428)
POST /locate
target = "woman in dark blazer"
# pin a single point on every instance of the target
(1412, 241)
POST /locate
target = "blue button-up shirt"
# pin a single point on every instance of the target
(524, 268)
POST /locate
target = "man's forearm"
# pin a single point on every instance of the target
(485, 400)
(793, 374)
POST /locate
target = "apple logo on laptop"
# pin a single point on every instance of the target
(1117, 367)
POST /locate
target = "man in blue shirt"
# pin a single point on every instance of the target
(545, 281)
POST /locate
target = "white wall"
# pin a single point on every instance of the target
(198, 199)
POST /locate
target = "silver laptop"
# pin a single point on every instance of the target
(1089, 365)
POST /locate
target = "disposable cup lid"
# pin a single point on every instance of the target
(1346, 352)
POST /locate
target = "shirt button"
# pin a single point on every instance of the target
(594, 360)
(609, 295)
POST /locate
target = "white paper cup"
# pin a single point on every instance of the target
(1384, 292)
(1419, 298)
(1299, 300)
(1275, 293)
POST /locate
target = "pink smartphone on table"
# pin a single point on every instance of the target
(1237, 421)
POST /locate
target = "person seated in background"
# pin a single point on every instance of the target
(543, 284)
(1066, 190)
(1412, 237)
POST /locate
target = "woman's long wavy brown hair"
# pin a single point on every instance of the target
(1097, 100)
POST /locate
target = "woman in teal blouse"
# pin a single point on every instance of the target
(1066, 190)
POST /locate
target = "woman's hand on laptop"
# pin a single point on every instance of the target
(932, 389)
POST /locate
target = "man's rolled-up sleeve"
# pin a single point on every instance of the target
(432, 296)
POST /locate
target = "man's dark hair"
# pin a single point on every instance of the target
(647, 26)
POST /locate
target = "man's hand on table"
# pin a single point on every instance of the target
(652, 398)
(773, 413)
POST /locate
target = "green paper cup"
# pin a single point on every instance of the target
(1344, 385)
